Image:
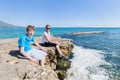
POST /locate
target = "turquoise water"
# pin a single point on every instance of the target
(16, 32)
(108, 43)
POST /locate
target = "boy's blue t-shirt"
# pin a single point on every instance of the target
(24, 41)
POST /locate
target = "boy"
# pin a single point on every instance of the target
(32, 54)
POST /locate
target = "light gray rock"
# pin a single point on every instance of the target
(90, 32)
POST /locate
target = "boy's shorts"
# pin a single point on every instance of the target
(38, 54)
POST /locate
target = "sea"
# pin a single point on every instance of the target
(95, 56)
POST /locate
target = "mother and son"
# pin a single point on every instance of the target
(35, 55)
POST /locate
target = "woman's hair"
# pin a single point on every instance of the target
(30, 27)
(47, 25)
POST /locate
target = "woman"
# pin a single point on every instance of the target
(47, 41)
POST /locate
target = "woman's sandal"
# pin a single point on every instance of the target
(63, 56)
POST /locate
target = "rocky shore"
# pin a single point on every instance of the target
(14, 66)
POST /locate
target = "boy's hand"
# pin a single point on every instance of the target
(34, 60)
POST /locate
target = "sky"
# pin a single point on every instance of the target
(61, 13)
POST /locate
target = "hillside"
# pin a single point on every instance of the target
(4, 25)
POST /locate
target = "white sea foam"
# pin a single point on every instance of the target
(85, 65)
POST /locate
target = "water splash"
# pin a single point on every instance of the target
(86, 65)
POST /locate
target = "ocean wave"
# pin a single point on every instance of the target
(86, 65)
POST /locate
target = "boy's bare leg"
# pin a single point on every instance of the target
(42, 63)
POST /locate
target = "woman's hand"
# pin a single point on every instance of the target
(43, 49)
(56, 42)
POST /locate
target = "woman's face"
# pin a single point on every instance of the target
(48, 28)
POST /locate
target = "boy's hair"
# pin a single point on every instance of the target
(30, 27)
(47, 25)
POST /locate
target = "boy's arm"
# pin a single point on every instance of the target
(26, 55)
(36, 43)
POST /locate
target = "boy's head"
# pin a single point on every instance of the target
(30, 30)
(30, 27)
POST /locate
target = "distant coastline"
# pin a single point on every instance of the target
(7, 25)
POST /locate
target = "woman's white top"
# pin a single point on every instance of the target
(44, 37)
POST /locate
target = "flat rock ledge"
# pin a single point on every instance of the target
(14, 66)
(89, 32)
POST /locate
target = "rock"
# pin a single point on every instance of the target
(14, 66)
(62, 67)
(61, 74)
(66, 47)
(63, 64)
(91, 32)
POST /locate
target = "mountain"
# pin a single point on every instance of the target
(5, 25)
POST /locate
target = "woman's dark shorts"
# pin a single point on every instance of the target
(48, 44)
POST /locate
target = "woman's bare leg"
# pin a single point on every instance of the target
(58, 49)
